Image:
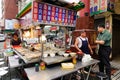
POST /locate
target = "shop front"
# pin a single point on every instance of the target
(46, 30)
(54, 22)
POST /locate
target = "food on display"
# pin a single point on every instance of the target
(45, 55)
(72, 54)
(65, 54)
(52, 55)
(32, 56)
(67, 65)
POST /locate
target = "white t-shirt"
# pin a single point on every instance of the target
(80, 41)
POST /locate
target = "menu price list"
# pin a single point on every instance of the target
(50, 14)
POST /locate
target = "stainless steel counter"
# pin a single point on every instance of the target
(57, 59)
(25, 60)
(13, 62)
(48, 60)
(56, 71)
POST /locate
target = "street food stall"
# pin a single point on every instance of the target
(46, 37)
(51, 21)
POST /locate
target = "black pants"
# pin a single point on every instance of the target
(104, 53)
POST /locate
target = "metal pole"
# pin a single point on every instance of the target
(42, 50)
(89, 72)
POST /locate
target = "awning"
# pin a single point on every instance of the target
(80, 5)
(26, 9)
(8, 31)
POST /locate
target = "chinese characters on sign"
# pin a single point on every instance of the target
(50, 14)
(103, 5)
(35, 11)
(98, 6)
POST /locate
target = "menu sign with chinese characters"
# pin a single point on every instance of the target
(94, 7)
(55, 15)
(35, 11)
(99, 6)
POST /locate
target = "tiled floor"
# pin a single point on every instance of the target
(116, 64)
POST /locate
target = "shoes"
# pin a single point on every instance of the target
(86, 72)
(101, 74)
(91, 73)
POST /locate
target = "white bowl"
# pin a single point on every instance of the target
(52, 55)
(72, 54)
(60, 53)
(45, 55)
(65, 54)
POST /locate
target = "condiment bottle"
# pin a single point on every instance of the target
(36, 67)
(42, 66)
(74, 60)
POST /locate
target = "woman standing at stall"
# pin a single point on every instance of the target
(15, 41)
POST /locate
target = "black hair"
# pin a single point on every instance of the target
(101, 25)
(15, 34)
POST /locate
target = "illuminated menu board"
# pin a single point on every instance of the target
(55, 15)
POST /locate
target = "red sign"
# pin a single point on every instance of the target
(45, 7)
(51, 14)
(53, 28)
(35, 11)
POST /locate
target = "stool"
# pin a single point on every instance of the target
(101, 75)
(1, 59)
(3, 68)
(2, 73)
(1, 63)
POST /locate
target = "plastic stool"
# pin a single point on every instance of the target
(1, 59)
(3, 68)
(101, 75)
(2, 73)
(1, 63)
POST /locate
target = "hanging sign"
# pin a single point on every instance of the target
(35, 11)
(94, 7)
(111, 5)
(103, 5)
(55, 15)
(99, 6)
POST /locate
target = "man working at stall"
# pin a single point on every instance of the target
(82, 44)
(15, 41)
(104, 39)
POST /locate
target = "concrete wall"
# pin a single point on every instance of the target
(10, 9)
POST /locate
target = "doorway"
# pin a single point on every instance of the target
(116, 38)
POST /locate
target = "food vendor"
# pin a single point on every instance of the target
(15, 41)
